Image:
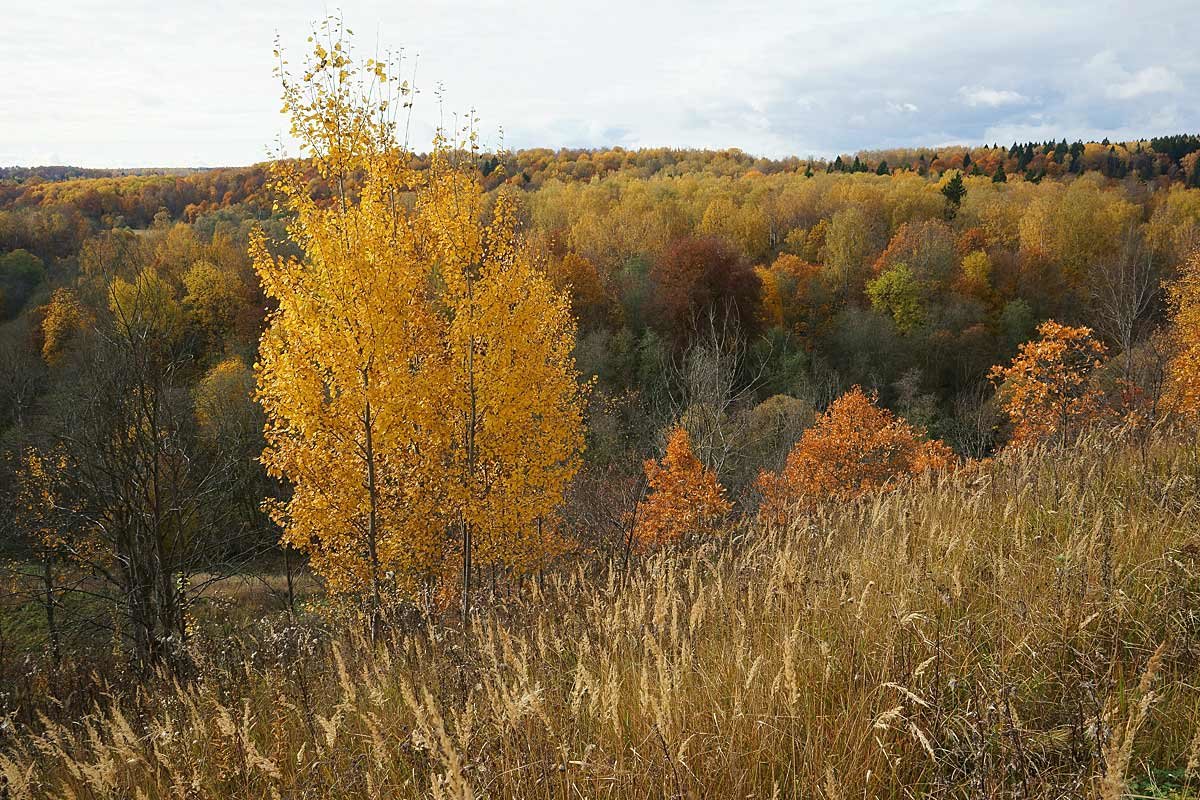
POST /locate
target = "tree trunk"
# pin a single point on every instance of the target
(466, 575)
(51, 621)
(372, 519)
(291, 591)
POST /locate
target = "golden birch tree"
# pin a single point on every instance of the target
(347, 355)
(1184, 369)
(513, 397)
(417, 376)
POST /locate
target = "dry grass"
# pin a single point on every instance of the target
(1026, 629)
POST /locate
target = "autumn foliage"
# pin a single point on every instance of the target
(1047, 390)
(791, 295)
(1185, 331)
(685, 497)
(853, 448)
(702, 275)
(417, 376)
(63, 318)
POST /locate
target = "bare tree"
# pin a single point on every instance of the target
(712, 390)
(22, 379)
(972, 428)
(144, 502)
(1124, 292)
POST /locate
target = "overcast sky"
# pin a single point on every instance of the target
(163, 83)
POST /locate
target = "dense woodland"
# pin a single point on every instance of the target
(399, 390)
(738, 296)
(826, 280)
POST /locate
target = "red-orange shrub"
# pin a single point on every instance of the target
(853, 448)
(1047, 391)
(685, 496)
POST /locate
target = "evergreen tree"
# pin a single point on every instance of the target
(954, 192)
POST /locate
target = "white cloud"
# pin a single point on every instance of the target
(1119, 82)
(991, 98)
(1150, 80)
(100, 84)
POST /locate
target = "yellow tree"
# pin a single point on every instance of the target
(145, 309)
(513, 399)
(685, 497)
(1185, 330)
(213, 296)
(1047, 391)
(349, 354)
(37, 514)
(63, 318)
(417, 374)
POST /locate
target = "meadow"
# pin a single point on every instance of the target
(1028, 627)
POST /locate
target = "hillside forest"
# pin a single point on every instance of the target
(488, 419)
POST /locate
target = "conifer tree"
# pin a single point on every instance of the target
(954, 192)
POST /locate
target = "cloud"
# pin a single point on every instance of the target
(1151, 80)
(1120, 82)
(776, 78)
(991, 98)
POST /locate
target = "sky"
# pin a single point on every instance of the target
(142, 83)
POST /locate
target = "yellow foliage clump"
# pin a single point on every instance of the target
(146, 308)
(1184, 368)
(222, 393)
(417, 376)
(213, 295)
(63, 318)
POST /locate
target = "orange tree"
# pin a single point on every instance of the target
(793, 295)
(1047, 391)
(853, 448)
(685, 497)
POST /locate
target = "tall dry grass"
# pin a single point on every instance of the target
(1029, 628)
